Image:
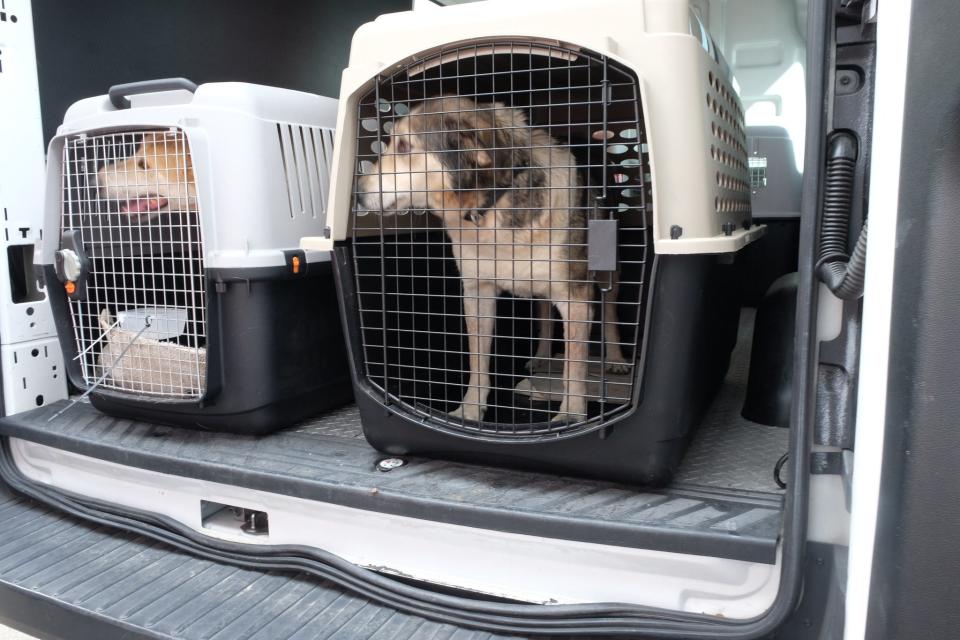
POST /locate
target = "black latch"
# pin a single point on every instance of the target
(72, 265)
(602, 245)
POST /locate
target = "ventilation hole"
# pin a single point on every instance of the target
(630, 193)
(601, 135)
(39, 401)
(377, 147)
(710, 77)
(620, 178)
(617, 148)
(709, 101)
(29, 311)
(383, 105)
(401, 109)
(629, 134)
(35, 352)
(370, 124)
(388, 127)
(630, 162)
(366, 166)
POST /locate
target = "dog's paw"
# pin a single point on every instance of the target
(618, 367)
(570, 413)
(467, 413)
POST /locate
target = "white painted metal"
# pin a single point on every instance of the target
(26, 326)
(526, 568)
(893, 33)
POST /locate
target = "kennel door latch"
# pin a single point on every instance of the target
(72, 265)
(602, 245)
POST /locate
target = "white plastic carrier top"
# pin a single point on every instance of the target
(692, 115)
(260, 157)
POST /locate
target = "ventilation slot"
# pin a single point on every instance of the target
(305, 153)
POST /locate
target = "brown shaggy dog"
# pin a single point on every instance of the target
(508, 196)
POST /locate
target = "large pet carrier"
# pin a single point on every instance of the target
(534, 221)
(171, 253)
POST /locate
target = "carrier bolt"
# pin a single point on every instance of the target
(728, 228)
(389, 464)
(748, 223)
(676, 231)
(327, 233)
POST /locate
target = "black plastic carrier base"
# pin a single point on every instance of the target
(690, 333)
(274, 353)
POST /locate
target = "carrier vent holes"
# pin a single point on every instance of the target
(729, 146)
(305, 154)
(410, 292)
(131, 198)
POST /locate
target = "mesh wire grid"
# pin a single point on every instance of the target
(131, 197)
(478, 170)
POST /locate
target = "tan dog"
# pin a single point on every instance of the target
(507, 194)
(157, 178)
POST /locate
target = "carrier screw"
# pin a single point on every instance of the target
(748, 223)
(676, 231)
(327, 232)
(389, 464)
(728, 228)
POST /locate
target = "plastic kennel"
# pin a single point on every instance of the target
(172, 227)
(534, 223)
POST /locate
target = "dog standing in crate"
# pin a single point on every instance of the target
(157, 178)
(508, 196)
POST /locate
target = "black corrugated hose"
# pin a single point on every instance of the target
(842, 273)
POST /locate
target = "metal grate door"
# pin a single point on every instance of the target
(140, 317)
(500, 239)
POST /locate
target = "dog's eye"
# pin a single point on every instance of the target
(142, 164)
(403, 146)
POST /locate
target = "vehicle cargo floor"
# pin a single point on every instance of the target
(65, 578)
(723, 502)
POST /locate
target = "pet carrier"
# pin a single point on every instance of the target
(173, 219)
(534, 222)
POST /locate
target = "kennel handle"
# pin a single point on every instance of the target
(118, 93)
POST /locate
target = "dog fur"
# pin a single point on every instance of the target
(507, 194)
(158, 178)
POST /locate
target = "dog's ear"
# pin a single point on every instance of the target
(468, 145)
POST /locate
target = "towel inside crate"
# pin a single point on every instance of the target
(133, 362)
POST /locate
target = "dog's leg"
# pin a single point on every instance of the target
(616, 363)
(542, 359)
(576, 313)
(479, 307)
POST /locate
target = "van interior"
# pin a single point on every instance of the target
(716, 545)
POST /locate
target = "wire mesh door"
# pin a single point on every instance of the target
(482, 172)
(139, 317)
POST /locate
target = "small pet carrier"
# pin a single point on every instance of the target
(171, 252)
(534, 222)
